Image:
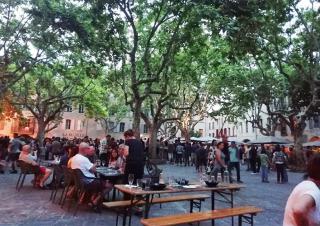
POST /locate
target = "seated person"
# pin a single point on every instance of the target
(93, 184)
(26, 156)
(113, 159)
(70, 152)
(121, 161)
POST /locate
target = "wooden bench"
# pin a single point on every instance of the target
(127, 203)
(195, 201)
(242, 212)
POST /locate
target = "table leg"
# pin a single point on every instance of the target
(114, 194)
(147, 207)
(232, 219)
(212, 205)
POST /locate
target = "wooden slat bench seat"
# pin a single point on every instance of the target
(204, 216)
(127, 203)
(195, 201)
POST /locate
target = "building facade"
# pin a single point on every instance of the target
(76, 124)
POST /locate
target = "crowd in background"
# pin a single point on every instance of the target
(257, 158)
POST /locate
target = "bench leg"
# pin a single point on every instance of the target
(160, 203)
(191, 206)
(240, 220)
(212, 205)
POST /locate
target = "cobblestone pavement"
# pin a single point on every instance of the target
(32, 207)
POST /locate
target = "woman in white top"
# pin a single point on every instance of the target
(303, 205)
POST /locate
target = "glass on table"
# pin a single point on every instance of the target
(171, 181)
(130, 179)
(148, 182)
(139, 183)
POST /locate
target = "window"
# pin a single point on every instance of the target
(201, 132)
(247, 129)
(225, 132)
(145, 128)
(241, 128)
(68, 124)
(229, 132)
(80, 124)
(69, 107)
(99, 126)
(311, 123)
(121, 127)
(252, 124)
(111, 126)
(81, 109)
(316, 123)
(217, 133)
(209, 125)
(212, 125)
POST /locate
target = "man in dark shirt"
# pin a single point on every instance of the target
(14, 151)
(56, 147)
(134, 159)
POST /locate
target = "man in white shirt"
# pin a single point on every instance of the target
(81, 161)
(303, 205)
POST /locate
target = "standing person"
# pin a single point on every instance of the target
(219, 163)
(258, 163)
(201, 158)
(56, 147)
(180, 152)
(194, 147)
(134, 159)
(225, 150)
(170, 152)
(264, 159)
(303, 205)
(14, 151)
(234, 162)
(187, 153)
(253, 158)
(242, 154)
(285, 173)
(279, 160)
(247, 157)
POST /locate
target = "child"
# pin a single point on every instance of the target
(264, 165)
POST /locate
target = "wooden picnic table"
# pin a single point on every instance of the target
(224, 190)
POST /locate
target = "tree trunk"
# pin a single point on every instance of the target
(153, 131)
(298, 158)
(41, 131)
(185, 133)
(136, 119)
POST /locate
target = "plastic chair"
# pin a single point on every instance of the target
(26, 169)
(56, 181)
(68, 182)
(80, 186)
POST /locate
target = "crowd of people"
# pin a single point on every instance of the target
(216, 157)
(126, 156)
(225, 156)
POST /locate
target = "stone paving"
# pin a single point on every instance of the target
(32, 207)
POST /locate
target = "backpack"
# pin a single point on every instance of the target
(279, 158)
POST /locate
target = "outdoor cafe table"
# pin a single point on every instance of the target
(224, 190)
(110, 174)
